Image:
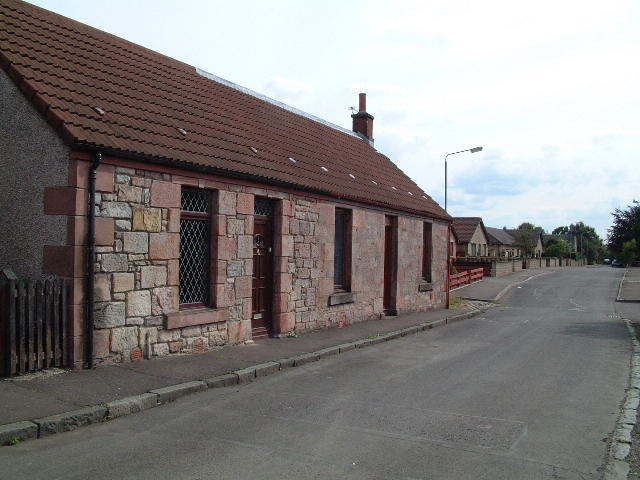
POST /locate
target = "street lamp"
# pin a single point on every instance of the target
(472, 150)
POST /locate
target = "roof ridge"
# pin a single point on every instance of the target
(273, 101)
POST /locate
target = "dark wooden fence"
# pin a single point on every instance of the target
(35, 329)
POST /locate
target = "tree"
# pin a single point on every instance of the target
(526, 237)
(625, 228)
(557, 247)
(629, 252)
(584, 239)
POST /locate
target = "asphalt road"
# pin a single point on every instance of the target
(531, 389)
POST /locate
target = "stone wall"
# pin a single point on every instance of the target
(137, 311)
(137, 271)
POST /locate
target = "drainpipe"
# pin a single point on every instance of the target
(91, 260)
(449, 252)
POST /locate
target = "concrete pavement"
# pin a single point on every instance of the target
(41, 404)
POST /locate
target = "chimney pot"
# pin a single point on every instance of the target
(363, 102)
(362, 121)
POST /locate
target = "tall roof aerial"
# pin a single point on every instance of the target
(102, 92)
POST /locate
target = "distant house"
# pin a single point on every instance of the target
(472, 237)
(501, 243)
(532, 245)
(208, 214)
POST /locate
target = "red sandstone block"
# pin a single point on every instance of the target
(219, 225)
(164, 246)
(65, 201)
(104, 178)
(65, 261)
(224, 295)
(288, 208)
(243, 286)
(105, 229)
(219, 271)
(281, 303)
(285, 322)
(190, 181)
(173, 220)
(247, 308)
(200, 316)
(283, 282)
(245, 204)
(165, 194)
(78, 173)
(77, 230)
(212, 184)
(226, 248)
(287, 246)
(77, 354)
(239, 331)
(173, 272)
(78, 319)
(78, 286)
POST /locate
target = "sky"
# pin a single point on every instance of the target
(550, 89)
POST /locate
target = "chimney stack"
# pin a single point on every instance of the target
(362, 121)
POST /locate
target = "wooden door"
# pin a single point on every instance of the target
(261, 319)
(390, 263)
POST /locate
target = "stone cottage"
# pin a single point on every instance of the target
(189, 212)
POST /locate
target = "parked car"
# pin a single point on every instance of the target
(617, 263)
(607, 261)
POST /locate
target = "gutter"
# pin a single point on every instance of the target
(91, 261)
(195, 167)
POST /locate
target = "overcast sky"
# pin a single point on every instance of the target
(550, 89)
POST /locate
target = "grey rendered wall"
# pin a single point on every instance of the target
(31, 157)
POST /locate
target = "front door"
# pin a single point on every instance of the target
(261, 321)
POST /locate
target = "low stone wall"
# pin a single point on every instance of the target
(499, 267)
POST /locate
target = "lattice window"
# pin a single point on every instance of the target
(263, 206)
(195, 240)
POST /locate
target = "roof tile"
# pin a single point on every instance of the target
(69, 69)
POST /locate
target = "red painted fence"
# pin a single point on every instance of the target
(465, 277)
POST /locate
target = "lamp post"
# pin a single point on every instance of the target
(472, 150)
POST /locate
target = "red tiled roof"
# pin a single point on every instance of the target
(465, 227)
(68, 69)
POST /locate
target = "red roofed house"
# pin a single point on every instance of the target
(472, 237)
(209, 215)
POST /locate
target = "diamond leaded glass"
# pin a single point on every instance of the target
(263, 206)
(195, 201)
(194, 248)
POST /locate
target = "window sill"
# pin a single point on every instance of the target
(425, 286)
(341, 298)
(195, 316)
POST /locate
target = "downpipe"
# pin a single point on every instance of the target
(91, 261)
